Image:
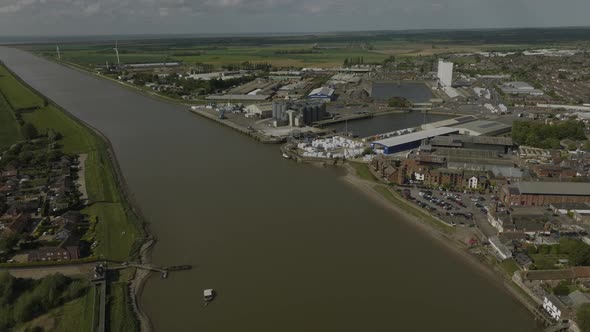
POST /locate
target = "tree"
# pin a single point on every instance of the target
(561, 289)
(7, 243)
(29, 131)
(583, 317)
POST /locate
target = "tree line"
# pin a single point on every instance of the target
(546, 136)
(22, 300)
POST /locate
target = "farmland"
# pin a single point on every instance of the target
(302, 51)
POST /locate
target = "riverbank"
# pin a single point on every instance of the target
(443, 238)
(110, 199)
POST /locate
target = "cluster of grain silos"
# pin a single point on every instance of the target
(297, 113)
(279, 111)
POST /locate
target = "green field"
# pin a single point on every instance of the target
(9, 128)
(93, 55)
(314, 50)
(278, 55)
(78, 315)
(75, 137)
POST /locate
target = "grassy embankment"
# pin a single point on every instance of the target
(114, 227)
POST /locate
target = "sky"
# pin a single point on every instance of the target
(86, 17)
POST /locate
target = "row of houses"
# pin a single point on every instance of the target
(430, 171)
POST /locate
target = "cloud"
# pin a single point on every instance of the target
(210, 16)
(15, 6)
(92, 9)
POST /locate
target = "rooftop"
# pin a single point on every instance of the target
(519, 87)
(571, 206)
(483, 127)
(449, 122)
(571, 273)
(239, 97)
(553, 188)
(459, 139)
(323, 91)
(416, 136)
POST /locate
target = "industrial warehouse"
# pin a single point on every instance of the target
(411, 141)
(545, 193)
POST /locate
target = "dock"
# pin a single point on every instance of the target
(344, 118)
(162, 270)
(246, 131)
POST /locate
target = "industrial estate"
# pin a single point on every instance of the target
(497, 160)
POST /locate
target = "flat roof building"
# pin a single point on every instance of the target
(262, 111)
(449, 122)
(239, 97)
(321, 93)
(520, 88)
(499, 144)
(483, 127)
(410, 141)
(545, 193)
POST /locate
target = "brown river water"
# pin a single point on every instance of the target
(288, 247)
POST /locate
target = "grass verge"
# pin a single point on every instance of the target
(363, 171)
(120, 315)
(9, 127)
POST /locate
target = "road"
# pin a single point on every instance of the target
(38, 272)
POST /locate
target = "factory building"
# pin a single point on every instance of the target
(483, 128)
(411, 141)
(323, 93)
(262, 111)
(500, 145)
(445, 73)
(516, 88)
(297, 114)
(545, 193)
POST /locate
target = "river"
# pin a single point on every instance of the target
(288, 247)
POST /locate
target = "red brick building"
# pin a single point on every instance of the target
(545, 193)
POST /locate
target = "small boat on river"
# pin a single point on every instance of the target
(208, 295)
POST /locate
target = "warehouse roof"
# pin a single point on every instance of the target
(323, 91)
(457, 140)
(449, 122)
(485, 127)
(416, 136)
(239, 97)
(554, 188)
